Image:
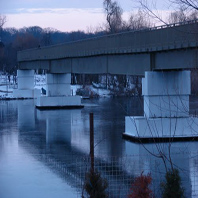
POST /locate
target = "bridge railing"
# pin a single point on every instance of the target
(136, 30)
(173, 24)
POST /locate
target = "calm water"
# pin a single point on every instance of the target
(40, 150)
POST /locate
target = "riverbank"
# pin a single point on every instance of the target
(7, 85)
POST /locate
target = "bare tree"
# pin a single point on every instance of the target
(150, 9)
(113, 16)
(2, 20)
(177, 16)
(186, 4)
(25, 41)
(46, 40)
(138, 21)
(182, 15)
(186, 10)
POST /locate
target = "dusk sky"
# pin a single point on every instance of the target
(64, 15)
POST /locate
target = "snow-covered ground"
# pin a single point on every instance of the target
(6, 87)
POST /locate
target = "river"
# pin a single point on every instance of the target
(45, 153)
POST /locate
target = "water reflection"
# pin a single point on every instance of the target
(182, 155)
(26, 115)
(59, 140)
(58, 125)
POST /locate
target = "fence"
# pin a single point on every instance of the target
(120, 173)
(118, 179)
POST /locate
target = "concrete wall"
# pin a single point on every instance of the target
(25, 79)
(166, 94)
(161, 127)
(58, 84)
(166, 83)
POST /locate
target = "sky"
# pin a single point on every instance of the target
(63, 15)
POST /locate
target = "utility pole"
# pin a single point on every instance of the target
(91, 141)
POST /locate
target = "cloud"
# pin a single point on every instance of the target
(63, 19)
(58, 10)
(9, 6)
(69, 19)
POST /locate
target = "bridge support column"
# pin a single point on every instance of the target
(166, 108)
(58, 93)
(25, 80)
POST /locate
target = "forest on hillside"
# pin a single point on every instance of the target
(13, 40)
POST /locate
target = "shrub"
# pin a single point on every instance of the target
(95, 185)
(140, 187)
(172, 185)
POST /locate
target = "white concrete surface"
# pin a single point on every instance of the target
(166, 107)
(58, 101)
(166, 94)
(58, 93)
(166, 83)
(25, 79)
(142, 127)
(58, 84)
(26, 93)
(26, 89)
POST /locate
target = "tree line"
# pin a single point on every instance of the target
(13, 40)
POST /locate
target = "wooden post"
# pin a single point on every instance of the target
(91, 141)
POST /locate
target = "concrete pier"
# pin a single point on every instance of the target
(166, 108)
(25, 79)
(58, 93)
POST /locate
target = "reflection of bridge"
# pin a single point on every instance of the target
(53, 146)
(155, 51)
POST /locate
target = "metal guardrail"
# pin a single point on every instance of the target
(174, 24)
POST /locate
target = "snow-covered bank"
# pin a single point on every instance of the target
(6, 87)
(89, 91)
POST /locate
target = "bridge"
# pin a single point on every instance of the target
(162, 54)
(132, 53)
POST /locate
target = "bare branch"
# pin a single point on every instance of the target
(113, 15)
(182, 16)
(2, 21)
(148, 9)
(138, 21)
(186, 4)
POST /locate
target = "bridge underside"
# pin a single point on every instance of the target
(126, 64)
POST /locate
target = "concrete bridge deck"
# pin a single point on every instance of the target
(133, 53)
